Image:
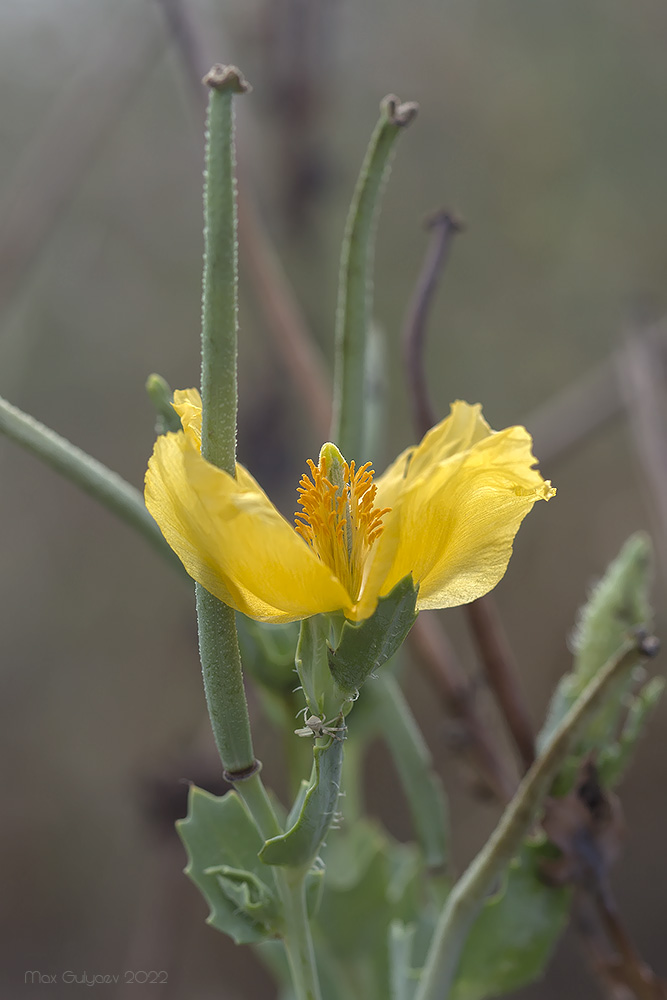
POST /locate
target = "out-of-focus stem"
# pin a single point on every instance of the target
(444, 226)
(482, 615)
(414, 764)
(94, 478)
(467, 897)
(502, 673)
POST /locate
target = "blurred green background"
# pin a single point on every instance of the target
(542, 124)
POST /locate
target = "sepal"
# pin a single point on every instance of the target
(363, 647)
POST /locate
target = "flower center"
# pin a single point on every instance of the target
(339, 520)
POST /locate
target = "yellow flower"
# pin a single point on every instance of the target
(445, 511)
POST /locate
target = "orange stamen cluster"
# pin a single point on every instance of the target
(340, 523)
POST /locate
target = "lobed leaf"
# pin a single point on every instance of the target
(222, 845)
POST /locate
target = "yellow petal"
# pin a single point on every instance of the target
(232, 540)
(187, 403)
(456, 434)
(458, 521)
(377, 568)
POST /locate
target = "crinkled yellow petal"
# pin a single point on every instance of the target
(232, 540)
(461, 430)
(458, 520)
(187, 403)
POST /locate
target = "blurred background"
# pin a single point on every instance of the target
(542, 125)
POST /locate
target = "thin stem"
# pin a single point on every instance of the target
(274, 294)
(642, 384)
(483, 617)
(283, 316)
(572, 416)
(438, 660)
(502, 673)
(297, 937)
(351, 802)
(355, 283)
(258, 803)
(87, 473)
(467, 896)
(71, 137)
(220, 283)
(414, 764)
(444, 226)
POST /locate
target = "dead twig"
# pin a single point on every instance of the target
(53, 166)
(283, 317)
(482, 615)
(639, 367)
(574, 414)
(587, 827)
(444, 226)
(439, 662)
(501, 674)
(274, 295)
(189, 43)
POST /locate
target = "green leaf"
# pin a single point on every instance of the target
(370, 882)
(365, 646)
(615, 759)
(247, 891)
(222, 845)
(618, 604)
(302, 841)
(512, 938)
(353, 315)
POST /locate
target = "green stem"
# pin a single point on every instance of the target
(349, 430)
(312, 666)
(223, 682)
(220, 281)
(87, 473)
(352, 802)
(414, 764)
(218, 639)
(258, 803)
(291, 885)
(297, 939)
(468, 895)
